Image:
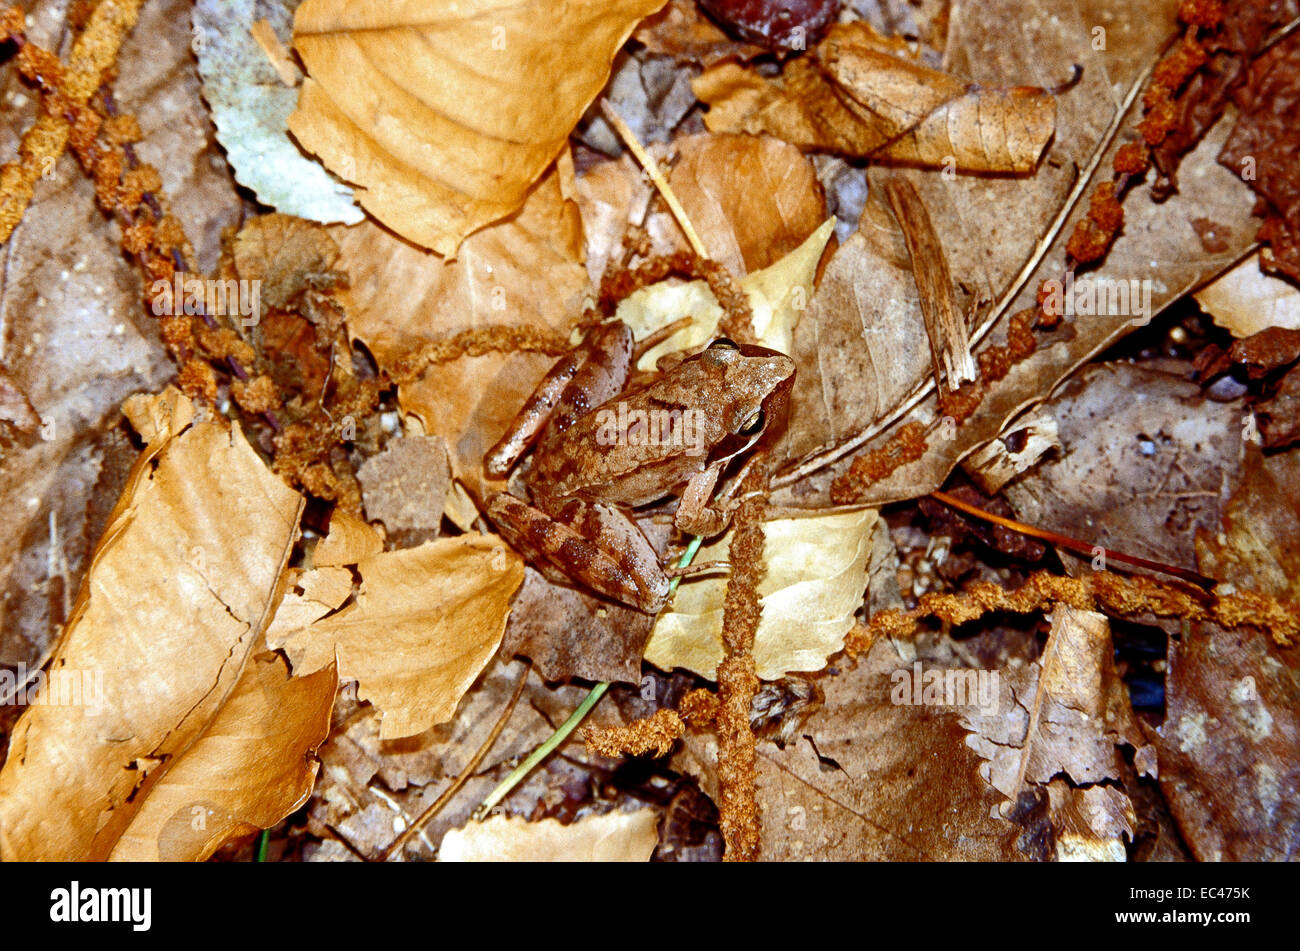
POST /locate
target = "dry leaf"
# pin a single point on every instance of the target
(425, 623)
(1227, 746)
(814, 585)
(349, 540)
(869, 779)
(753, 199)
(1090, 824)
(287, 255)
(1065, 713)
(1246, 301)
(251, 106)
(614, 837)
(524, 274)
(1127, 465)
(777, 295)
(858, 95)
(1157, 246)
(405, 486)
(445, 113)
(1257, 544)
(251, 767)
(179, 591)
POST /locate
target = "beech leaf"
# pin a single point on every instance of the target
(251, 106)
(425, 623)
(814, 584)
(613, 837)
(445, 112)
(177, 595)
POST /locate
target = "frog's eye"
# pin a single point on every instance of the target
(752, 423)
(723, 343)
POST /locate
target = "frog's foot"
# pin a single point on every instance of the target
(597, 546)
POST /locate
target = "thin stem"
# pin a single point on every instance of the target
(400, 842)
(652, 169)
(559, 736)
(543, 751)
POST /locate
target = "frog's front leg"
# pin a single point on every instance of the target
(596, 545)
(588, 376)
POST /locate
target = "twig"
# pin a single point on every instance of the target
(423, 819)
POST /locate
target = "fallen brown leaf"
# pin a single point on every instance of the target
(425, 623)
(444, 113)
(179, 591)
(859, 94)
(251, 767)
(524, 274)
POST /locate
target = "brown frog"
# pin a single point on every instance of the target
(601, 451)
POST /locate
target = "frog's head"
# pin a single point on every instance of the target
(756, 382)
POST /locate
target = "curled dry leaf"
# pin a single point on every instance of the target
(251, 105)
(445, 113)
(815, 583)
(178, 593)
(425, 623)
(861, 95)
(613, 837)
(1065, 713)
(250, 767)
(1245, 300)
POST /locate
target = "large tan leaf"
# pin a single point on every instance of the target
(444, 112)
(249, 769)
(425, 623)
(178, 592)
(614, 837)
(860, 95)
(524, 273)
(815, 582)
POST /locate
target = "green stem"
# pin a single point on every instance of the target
(263, 840)
(559, 736)
(543, 751)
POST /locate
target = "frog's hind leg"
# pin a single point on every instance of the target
(596, 545)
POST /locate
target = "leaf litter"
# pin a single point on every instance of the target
(355, 645)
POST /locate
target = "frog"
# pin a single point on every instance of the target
(601, 449)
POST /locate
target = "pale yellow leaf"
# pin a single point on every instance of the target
(613, 837)
(816, 580)
(778, 295)
(445, 112)
(1245, 300)
(425, 622)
